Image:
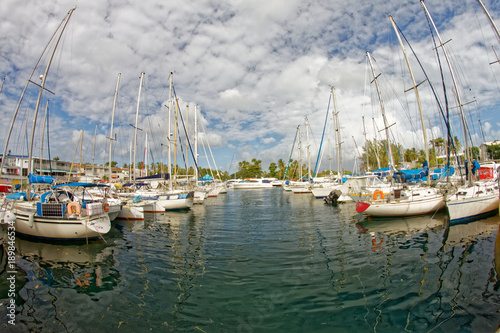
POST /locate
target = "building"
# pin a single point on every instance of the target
(483, 150)
(16, 167)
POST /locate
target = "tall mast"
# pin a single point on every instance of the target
(309, 179)
(136, 120)
(169, 147)
(187, 142)
(338, 138)
(37, 107)
(146, 161)
(415, 87)
(43, 132)
(111, 130)
(367, 153)
(63, 22)
(1, 86)
(196, 144)
(386, 125)
(457, 93)
(492, 23)
(175, 134)
(300, 154)
(93, 154)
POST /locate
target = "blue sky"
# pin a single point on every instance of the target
(254, 69)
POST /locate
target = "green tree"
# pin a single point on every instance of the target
(493, 152)
(282, 168)
(273, 170)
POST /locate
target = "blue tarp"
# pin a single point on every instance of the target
(19, 196)
(442, 173)
(34, 179)
(413, 174)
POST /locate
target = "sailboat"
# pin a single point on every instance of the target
(336, 190)
(57, 213)
(157, 199)
(135, 206)
(477, 198)
(403, 200)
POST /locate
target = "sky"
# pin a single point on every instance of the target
(254, 70)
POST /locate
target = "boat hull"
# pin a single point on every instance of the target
(136, 211)
(179, 201)
(401, 208)
(29, 224)
(467, 209)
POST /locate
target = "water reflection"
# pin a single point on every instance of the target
(85, 268)
(256, 261)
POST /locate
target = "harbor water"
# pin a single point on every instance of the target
(262, 261)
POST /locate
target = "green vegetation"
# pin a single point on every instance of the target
(374, 156)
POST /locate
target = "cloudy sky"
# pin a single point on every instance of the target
(255, 70)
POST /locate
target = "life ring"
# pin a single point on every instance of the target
(74, 208)
(106, 207)
(377, 193)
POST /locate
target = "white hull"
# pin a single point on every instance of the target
(405, 207)
(322, 191)
(244, 185)
(175, 201)
(300, 190)
(135, 211)
(114, 210)
(199, 197)
(471, 202)
(82, 227)
(407, 201)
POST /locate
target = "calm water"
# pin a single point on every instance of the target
(264, 261)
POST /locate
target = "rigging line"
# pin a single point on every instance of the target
(323, 135)
(444, 117)
(210, 150)
(25, 88)
(48, 142)
(291, 152)
(388, 100)
(187, 137)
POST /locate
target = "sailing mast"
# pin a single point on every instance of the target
(63, 22)
(111, 130)
(338, 137)
(1, 86)
(300, 154)
(93, 154)
(492, 23)
(457, 94)
(136, 120)
(367, 152)
(37, 107)
(169, 166)
(187, 142)
(415, 87)
(389, 149)
(196, 144)
(43, 132)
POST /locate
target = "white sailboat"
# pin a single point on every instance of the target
(135, 207)
(403, 199)
(475, 198)
(57, 214)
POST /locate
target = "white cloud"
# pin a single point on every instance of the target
(255, 69)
